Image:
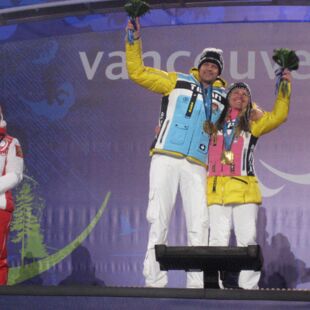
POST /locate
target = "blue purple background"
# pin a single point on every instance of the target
(86, 133)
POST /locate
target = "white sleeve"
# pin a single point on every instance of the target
(14, 167)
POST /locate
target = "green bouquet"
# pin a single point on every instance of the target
(135, 8)
(286, 59)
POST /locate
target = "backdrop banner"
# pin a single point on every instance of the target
(86, 129)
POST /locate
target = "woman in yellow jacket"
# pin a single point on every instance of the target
(233, 191)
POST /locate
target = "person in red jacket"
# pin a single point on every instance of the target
(11, 168)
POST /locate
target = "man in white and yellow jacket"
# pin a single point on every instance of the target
(179, 152)
(233, 193)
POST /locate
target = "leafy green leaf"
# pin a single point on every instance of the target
(286, 58)
(136, 8)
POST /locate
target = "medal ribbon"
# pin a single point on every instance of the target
(207, 101)
(229, 138)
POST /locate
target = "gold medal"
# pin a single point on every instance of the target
(227, 157)
(209, 128)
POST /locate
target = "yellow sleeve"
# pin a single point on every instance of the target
(156, 80)
(271, 120)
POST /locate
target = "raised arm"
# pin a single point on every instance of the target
(271, 120)
(153, 79)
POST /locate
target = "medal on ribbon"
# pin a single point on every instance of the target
(208, 126)
(229, 130)
(227, 157)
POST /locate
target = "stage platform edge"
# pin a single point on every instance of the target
(183, 293)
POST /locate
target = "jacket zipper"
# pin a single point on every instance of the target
(239, 180)
(214, 184)
(244, 159)
(164, 131)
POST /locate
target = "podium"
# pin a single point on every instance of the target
(209, 259)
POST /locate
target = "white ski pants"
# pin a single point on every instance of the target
(167, 175)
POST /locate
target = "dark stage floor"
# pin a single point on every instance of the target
(86, 297)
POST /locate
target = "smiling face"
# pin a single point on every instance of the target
(238, 99)
(208, 72)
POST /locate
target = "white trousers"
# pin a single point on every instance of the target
(243, 219)
(167, 174)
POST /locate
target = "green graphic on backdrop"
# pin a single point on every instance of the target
(25, 227)
(28, 271)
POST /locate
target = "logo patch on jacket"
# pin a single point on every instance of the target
(202, 147)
